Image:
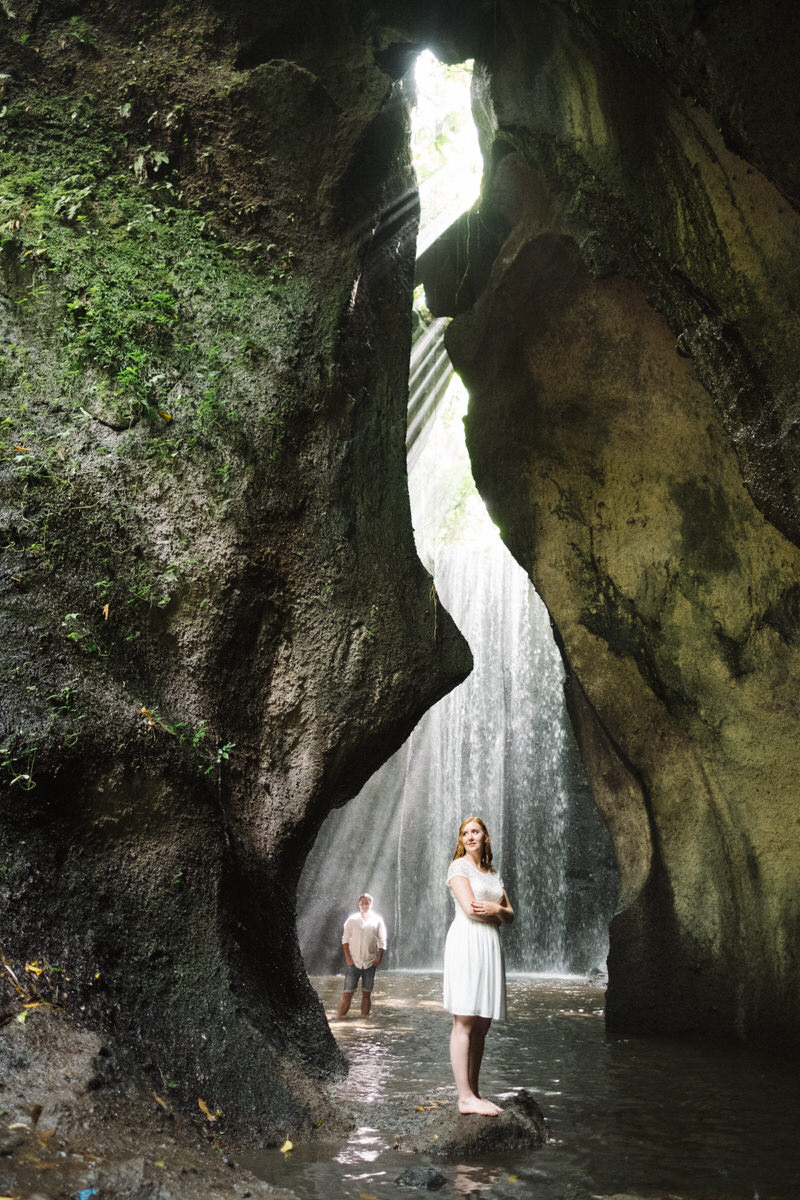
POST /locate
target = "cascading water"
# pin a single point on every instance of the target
(499, 746)
(493, 748)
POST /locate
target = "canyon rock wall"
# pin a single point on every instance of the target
(214, 622)
(632, 360)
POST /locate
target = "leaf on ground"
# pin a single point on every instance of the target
(158, 1100)
(45, 1135)
(201, 1104)
(105, 611)
(22, 1017)
(33, 1004)
(34, 968)
(160, 1163)
(287, 1147)
(367, 1196)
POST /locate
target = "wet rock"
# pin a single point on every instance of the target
(339, 690)
(451, 1135)
(674, 599)
(9, 1140)
(421, 1177)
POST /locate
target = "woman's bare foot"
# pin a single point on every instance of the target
(483, 1108)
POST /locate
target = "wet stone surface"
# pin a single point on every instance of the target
(421, 1177)
(451, 1136)
(66, 1126)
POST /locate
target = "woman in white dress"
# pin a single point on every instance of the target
(474, 971)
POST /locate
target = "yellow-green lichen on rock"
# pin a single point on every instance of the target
(632, 366)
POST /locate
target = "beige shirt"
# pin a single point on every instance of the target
(364, 937)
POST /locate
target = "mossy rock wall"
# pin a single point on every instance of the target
(632, 364)
(214, 625)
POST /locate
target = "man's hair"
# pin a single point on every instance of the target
(365, 896)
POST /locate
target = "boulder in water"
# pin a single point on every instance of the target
(421, 1177)
(452, 1135)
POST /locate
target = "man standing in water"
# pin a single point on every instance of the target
(363, 942)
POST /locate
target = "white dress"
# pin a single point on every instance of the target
(474, 970)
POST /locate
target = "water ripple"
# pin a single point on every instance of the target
(656, 1119)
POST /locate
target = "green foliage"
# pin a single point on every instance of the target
(81, 635)
(81, 32)
(159, 312)
(152, 587)
(135, 342)
(208, 760)
(17, 769)
(63, 700)
(136, 345)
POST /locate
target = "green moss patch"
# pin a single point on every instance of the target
(140, 311)
(142, 360)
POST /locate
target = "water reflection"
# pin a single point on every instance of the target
(650, 1118)
(364, 1146)
(468, 1180)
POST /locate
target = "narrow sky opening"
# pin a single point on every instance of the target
(444, 145)
(449, 166)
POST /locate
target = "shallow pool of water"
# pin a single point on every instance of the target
(626, 1117)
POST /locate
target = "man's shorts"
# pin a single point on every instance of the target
(352, 974)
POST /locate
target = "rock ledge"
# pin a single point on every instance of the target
(450, 1135)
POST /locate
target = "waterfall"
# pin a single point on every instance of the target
(493, 749)
(499, 746)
